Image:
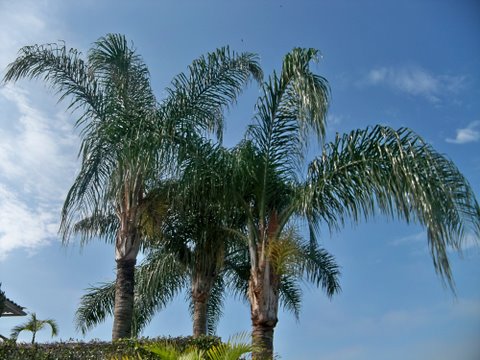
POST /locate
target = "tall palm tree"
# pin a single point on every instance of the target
(191, 231)
(200, 242)
(129, 141)
(34, 325)
(376, 170)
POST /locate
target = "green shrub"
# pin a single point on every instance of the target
(98, 350)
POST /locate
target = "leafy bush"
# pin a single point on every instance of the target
(234, 349)
(97, 350)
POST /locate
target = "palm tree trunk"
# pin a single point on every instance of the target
(124, 297)
(199, 317)
(201, 288)
(263, 293)
(262, 340)
(127, 245)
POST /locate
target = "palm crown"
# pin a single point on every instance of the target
(34, 325)
(378, 169)
(129, 141)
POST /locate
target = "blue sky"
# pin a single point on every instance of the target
(399, 63)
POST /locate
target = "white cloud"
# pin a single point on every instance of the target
(466, 135)
(37, 152)
(37, 164)
(334, 119)
(37, 144)
(410, 239)
(23, 226)
(416, 81)
(420, 241)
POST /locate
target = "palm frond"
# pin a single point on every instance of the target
(320, 268)
(158, 279)
(97, 225)
(197, 99)
(290, 294)
(95, 306)
(236, 347)
(237, 271)
(399, 175)
(65, 71)
(292, 104)
(215, 305)
(53, 326)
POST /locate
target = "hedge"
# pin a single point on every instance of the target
(99, 350)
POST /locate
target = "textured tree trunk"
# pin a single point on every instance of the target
(127, 245)
(199, 318)
(263, 293)
(124, 293)
(262, 340)
(201, 288)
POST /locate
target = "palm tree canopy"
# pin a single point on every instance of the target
(376, 170)
(121, 121)
(396, 173)
(34, 325)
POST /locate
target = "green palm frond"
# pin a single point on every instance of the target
(163, 351)
(97, 225)
(196, 100)
(158, 280)
(236, 347)
(215, 305)
(95, 306)
(398, 174)
(292, 104)
(237, 271)
(290, 294)
(320, 268)
(34, 325)
(293, 258)
(65, 71)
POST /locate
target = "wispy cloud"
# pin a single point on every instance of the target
(471, 133)
(416, 81)
(37, 144)
(23, 226)
(418, 243)
(420, 237)
(37, 163)
(24, 23)
(38, 149)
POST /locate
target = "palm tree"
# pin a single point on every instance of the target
(129, 141)
(376, 170)
(34, 325)
(199, 244)
(190, 235)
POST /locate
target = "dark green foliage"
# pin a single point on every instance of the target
(126, 349)
(2, 300)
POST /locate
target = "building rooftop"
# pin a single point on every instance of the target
(12, 309)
